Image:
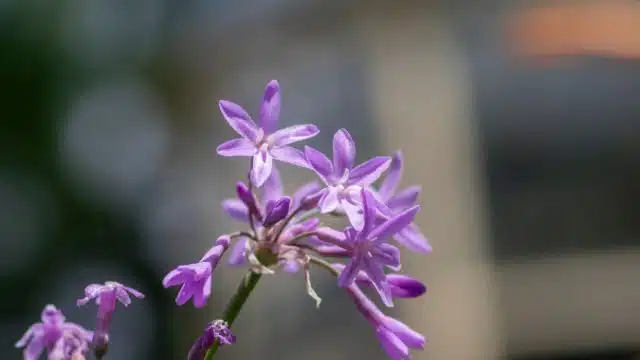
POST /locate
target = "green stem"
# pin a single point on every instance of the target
(248, 283)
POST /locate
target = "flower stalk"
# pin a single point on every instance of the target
(248, 283)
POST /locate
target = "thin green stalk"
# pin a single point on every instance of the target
(248, 283)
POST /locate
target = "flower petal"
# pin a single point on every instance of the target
(344, 151)
(387, 254)
(236, 147)
(350, 271)
(185, 293)
(272, 188)
(303, 191)
(330, 200)
(35, 347)
(123, 296)
(239, 120)
(320, 163)
(392, 345)
(368, 210)
(134, 292)
(238, 252)
(270, 109)
(405, 198)
(354, 213)
(293, 134)
(261, 169)
(392, 180)
(378, 280)
(413, 239)
(290, 155)
(24, 340)
(236, 209)
(408, 336)
(369, 171)
(174, 277)
(394, 225)
(403, 286)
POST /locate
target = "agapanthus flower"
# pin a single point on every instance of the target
(369, 250)
(395, 337)
(46, 334)
(264, 143)
(343, 182)
(391, 202)
(216, 331)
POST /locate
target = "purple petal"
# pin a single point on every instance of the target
(354, 213)
(391, 182)
(270, 109)
(122, 296)
(392, 345)
(369, 171)
(330, 236)
(369, 211)
(405, 198)
(33, 350)
(332, 251)
(403, 286)
(201, 293)
(28, 335)
(272, 188)
(214, 254)
(330, 200)
(174, 277)
(394, 225)
(319, 162)
(413, 239)
(408, 336)
(350, 271)
(262, 165)
(134, 292)
(303, 192)
(238, 252)
(236, 209)
(378, 280)
(185, 293)
(237, 147)
(247, 197)
(293, 134)
(387, 254)
(344, 151)
(277, 212)
(290, 155)
(239, 120)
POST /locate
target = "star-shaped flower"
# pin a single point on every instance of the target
(264, 143)
(343, 181)
(369, 250)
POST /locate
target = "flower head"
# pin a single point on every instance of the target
(47, 333)
(390, 202)
(395, 337)
(107, 294)
(369, 250)
(264, 143)
(217, 330)
(343, 182)
(195, 280)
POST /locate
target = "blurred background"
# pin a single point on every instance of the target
(519, 119)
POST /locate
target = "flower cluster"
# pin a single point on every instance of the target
(282, 232)
(68, 341)
(285, 232)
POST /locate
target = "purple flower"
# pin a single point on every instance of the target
(400, 286)
(369, 251)
(195, 280)
(391, 202)
(70, 346)
(218, 331)
(47, 333)
(264, 143)
(105, 297)
(395, 337)
(343, 181)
